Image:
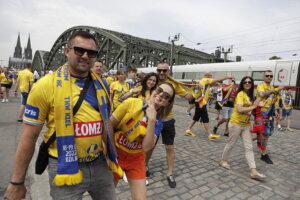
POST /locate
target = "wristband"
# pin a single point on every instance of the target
(17, 183)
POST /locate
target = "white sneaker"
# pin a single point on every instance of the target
(6, 100)
(147, 182)
(125, 178)
(279, 126)
(3, 100)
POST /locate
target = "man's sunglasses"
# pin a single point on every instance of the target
(269, 76)
(165, 95)
(80, 51)
(247, 82)
(162, 70)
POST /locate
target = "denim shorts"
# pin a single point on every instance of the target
(24, 98)
(269, 126)
(168, 132)
(97, 181)
(226, 112)
(286, 112)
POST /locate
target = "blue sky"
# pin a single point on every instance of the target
(256, 29)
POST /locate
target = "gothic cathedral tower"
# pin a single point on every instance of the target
(18, 49)
(28, 50)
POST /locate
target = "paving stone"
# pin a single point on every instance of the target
(199, 177)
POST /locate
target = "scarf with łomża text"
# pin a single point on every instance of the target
(68, 172)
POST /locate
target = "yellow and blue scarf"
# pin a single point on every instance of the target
(68, 172)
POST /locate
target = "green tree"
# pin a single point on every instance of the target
(275, 58)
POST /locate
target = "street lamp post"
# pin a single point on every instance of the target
(176, 38)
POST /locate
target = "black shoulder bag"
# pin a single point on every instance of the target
(41, 162)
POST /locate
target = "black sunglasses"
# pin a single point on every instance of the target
(165, 95)
(80, 51)
(247, 82)
(162, 70)
(269, 76)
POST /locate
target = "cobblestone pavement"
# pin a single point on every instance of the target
(197, 172)
(199, 176)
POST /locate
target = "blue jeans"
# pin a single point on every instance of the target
(269, 127)
(97, 181)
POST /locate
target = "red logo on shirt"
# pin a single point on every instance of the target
(88, 129)
(123, 141)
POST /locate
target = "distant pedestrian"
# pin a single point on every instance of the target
(36, 76)
(227, 103)
(201, 103)
(6, 80)
(287, 110)
(24, 83)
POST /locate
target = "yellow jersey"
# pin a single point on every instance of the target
(25, 77)
(88, 124)
(271, 100)
(288, 100)
(123, 114)
(6, 78)
(118, 90)
(241, 119)
(205, 91)
(109, 80)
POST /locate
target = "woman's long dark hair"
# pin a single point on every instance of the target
(251, 90)
(144, 83)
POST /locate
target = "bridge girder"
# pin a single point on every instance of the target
(118, 49)
(38, 62)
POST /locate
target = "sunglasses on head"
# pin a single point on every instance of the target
(162, 70)
(80, 51)
(165, 95)
(269, 76)
(247, 82)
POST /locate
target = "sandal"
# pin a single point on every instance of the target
(225, 165)
(258, 176)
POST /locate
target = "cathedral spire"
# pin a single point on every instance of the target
(18, 48)
(29, 43)
(28, 50)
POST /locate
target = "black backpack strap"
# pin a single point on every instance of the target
(75, 108)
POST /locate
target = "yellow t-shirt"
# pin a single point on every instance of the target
(179, 90)
(118, 90)
(287, 99)
(147, 93)
(271, 100)
(25, 77)
(205, 91)
(109, 80)
(124, 114)
(241, 119)
(6, 78)
(88, 124)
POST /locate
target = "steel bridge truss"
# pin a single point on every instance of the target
(118, 49)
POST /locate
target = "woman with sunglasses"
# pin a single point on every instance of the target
(118, 89)
(239, 125)
(136, 126)
(144, 91)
